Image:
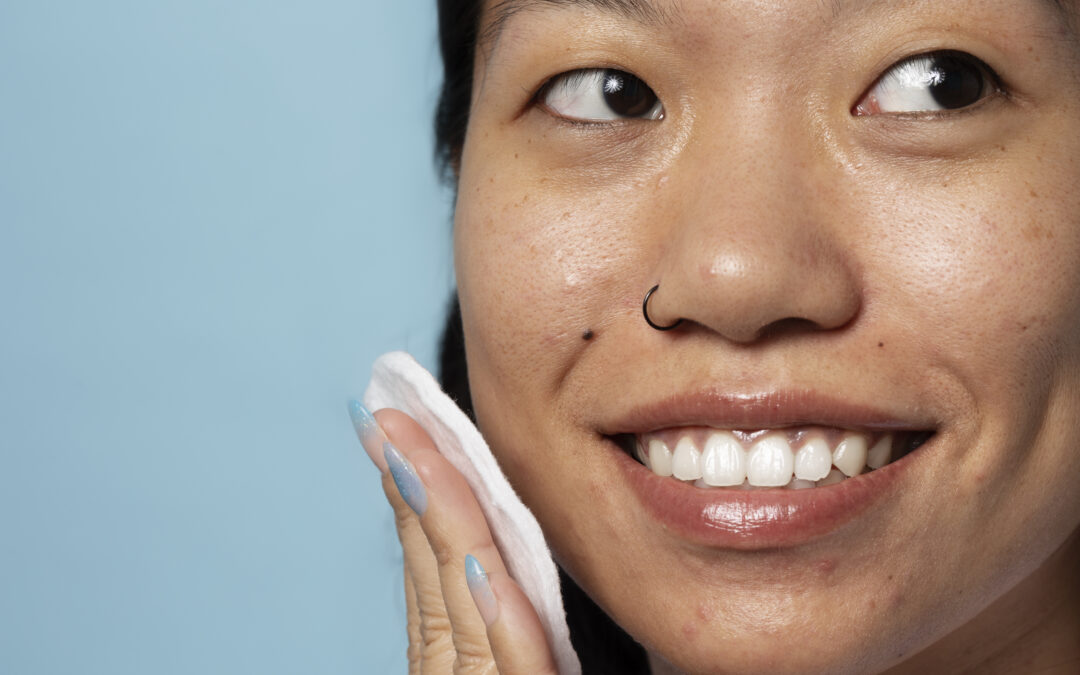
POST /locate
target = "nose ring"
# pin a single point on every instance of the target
(645, 311)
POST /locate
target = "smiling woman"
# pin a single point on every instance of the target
(839, 433)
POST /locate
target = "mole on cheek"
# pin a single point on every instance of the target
(588, 335)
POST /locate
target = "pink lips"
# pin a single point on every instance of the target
(762, 518)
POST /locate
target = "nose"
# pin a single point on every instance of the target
(752, 250)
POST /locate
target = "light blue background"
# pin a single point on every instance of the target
(213, 216)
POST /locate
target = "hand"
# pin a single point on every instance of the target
(465, 613)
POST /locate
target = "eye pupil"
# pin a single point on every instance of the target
(955, 83)
(627, 95)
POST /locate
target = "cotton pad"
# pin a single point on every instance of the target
(398, 381)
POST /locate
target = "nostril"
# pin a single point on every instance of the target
(789, 326)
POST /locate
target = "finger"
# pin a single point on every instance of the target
(412, 613)
(455, 527)
(412, 444)
(430, 643)
(431, 646)
(369, 432)
(515, 633)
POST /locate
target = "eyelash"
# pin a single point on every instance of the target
(996, 89)
(994, 85)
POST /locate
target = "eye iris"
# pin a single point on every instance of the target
(627, 95)
(954, 83)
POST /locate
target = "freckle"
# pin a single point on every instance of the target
(588, 335)
(881, 344)
(491, 180)
(515, 155)
(889, 578)
(1034, 194)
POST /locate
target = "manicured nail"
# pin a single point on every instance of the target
(369, 432)
(407, 480)
(480, 589)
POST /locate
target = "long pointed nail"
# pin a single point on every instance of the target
(369, 432)
(408, 482)
(480, 589)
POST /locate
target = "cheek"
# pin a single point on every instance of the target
(538, 267)
(991, 284)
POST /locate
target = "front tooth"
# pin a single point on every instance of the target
(814, 460)
(770, 462)
(723, 462)
(850, 455)
(686, 463)
(659, 457)
(879, 455)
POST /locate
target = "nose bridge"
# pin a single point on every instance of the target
(749, 248)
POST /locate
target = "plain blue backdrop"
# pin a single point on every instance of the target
(213, 217)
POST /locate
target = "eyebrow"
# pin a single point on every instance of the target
(839, 7)
(640, 11)
(648, 13)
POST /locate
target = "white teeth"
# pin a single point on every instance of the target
(770, 462)
(879, 455)
(659, 457)
(814, 460)
(850, 455)
(835, 476)
(686, 463)
(723, 463)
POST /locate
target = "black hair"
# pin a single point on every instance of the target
(601, 645)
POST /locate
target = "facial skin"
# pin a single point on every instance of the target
(921, 265)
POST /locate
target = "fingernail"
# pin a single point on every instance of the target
(369, 432)
(480, 589)
(407, 480)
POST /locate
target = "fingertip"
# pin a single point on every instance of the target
(480, 590)
(408, 482)
(368, 431)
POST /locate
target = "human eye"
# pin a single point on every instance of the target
(928, 83)
(600, 95)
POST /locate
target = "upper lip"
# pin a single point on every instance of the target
(753, 411)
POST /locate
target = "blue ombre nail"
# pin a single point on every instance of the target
(480, 590)
(407, 480)
(369, 432)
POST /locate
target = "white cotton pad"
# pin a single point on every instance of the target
(398, 381)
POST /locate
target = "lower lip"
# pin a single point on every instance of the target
(759, 519)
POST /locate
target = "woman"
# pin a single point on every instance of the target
(772, 316)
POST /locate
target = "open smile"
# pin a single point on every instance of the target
(795, 458)
(763, 471)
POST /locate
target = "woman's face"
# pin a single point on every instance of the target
(861, 245)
